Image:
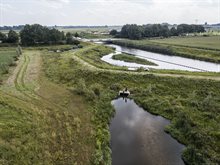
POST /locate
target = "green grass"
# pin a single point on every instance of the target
(66, 121)
(132, 58)
(211, 42)
(93, 54)
(47, 126)
(191, 105)
(8, 56)
(78, 30)
(199, 51)
(93, 35)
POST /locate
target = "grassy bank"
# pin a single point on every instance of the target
(157, 46)
(8, 58)
(191, 105)
(42, 123)
(93, 53)
(132, 58)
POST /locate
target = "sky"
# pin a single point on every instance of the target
(108, 12)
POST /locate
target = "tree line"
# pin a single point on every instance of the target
(12, 37)
(37, 35)
(133, 31)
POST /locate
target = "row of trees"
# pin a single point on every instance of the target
(12, 37)
(38, 34)
(133, 31)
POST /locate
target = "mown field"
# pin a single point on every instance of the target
(64, 117)
(42, 122)
(210, 42)
(201, 48)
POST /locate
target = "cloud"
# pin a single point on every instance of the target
(56, 4)
(5, 7)
(109, 12)
(59, 1)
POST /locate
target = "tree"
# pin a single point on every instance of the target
(55, 36)
(3, 37)
(124, 31)
(69, 38)
(33, 34)
(12, 37)
(38, 34)
(132, 31)
(113, 32)
(173, 32)
(76, 35)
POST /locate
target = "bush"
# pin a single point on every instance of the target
(4, 69)
(97, 89)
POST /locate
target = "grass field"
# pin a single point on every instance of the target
(212, 42)
(49, 125)
(55, 109)
(132, 58)
(201, 48)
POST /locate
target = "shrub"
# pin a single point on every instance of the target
(4, 69)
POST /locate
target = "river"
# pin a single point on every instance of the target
(162, 61)
(138, 137)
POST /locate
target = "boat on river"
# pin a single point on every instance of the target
(124, 93)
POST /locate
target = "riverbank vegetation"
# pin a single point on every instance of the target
(8, 58)
(196, 51)
(131, 58)
(93, 54)
(191, 105)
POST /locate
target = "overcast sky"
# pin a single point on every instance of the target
(108, 12)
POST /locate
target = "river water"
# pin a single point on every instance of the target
(138, 137)
(163, 61)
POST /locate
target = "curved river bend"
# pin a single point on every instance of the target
(138, 137)
(163, 61)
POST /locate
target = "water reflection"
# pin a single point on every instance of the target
(138, 138)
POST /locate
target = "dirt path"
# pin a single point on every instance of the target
(92, 67)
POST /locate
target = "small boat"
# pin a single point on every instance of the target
(124, 93)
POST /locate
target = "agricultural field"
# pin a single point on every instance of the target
(201, 48)
(210, 42)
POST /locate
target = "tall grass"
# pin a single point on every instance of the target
(191, 105)
(7, 59)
